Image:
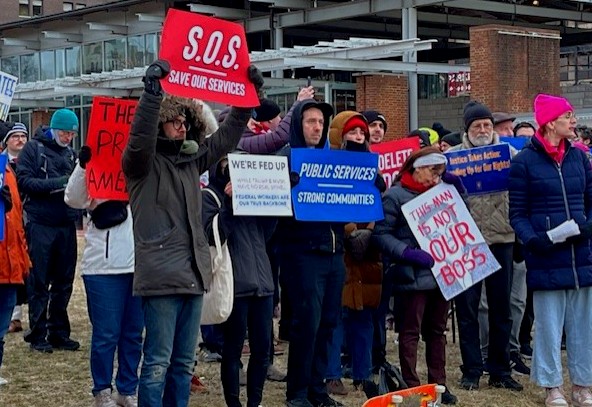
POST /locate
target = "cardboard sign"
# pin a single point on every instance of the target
(3, 161)
(443, 227)
(483, 169)
(209, 59)
(517, 142)
(392, 155)
(260, 185)
(7, 89)
(108, 132)
(336, 186)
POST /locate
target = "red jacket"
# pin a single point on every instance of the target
(14, 256)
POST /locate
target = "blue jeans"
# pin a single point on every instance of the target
(7, 303)
(172, 327)
(555, 311)
(334, 368)
(359, 333)
(117, 324)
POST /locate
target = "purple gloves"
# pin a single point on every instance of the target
(454, 180)
(418, 257)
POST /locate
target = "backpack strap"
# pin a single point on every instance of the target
(211, 192)
(41, 158)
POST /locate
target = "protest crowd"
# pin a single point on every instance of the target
(492, 222)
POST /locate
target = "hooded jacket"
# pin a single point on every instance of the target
(172, 252)
(14, 256)
(293, 235)
(542, 196)
(490, 211)
(44, 187)
(246, 237)
(337, 125)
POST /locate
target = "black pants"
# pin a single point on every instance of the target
(315, 282)
(498, 287)
(49, 287)
(524, 336)
(256, 314)
(379, 316)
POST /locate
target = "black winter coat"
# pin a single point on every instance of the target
(246, 236)
(43, 187)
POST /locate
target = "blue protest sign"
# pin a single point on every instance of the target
(3, 161)
(335, 186)
(483, 169)
(517, 142)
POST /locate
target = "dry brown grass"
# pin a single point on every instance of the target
(63, 379)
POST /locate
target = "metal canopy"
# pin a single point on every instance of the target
(355, 54)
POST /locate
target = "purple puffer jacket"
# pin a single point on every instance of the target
(270, 142)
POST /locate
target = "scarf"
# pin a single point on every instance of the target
(408, 182)
(556, 153)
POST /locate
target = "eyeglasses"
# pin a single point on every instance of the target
(568, 116)
(178, 123)
(17, 136)
(69, 133)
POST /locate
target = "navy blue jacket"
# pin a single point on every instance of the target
(44, 189)
(542, 196)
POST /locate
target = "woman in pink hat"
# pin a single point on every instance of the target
(551, 183)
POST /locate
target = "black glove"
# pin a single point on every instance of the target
(585, 234)
(158, 70)
(6, 198)
(63, 181)
(256, 77)
(84, 156)
(540, 244)
(294, 178)
(379, 183)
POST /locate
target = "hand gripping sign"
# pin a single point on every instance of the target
(108, 132)
(209, 59)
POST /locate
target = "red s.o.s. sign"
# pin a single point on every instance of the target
(209, 59)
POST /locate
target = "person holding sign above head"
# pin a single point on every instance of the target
(162, 162)
(14, 257)
(490, 212)
(311, 261)
(266, 131)
(43, 170)
(107, 268)
(551, 183)
(253, 286)
(361, 292)
(425, 311)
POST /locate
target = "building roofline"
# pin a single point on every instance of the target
(67, 15)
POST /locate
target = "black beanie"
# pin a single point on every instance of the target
(475, 111)
(453, 139)
(439, 128)
(373, 115)
(268, 110)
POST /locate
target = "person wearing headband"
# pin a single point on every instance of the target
(411, 267)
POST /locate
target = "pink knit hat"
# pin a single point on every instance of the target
(548, 108)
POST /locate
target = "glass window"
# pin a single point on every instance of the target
(24, 8)
(60, 63)
(29, 68)
(151, 48)
(80, 5)
(68, 6)
(48, 65)
(115, 54)
(37, 7)
(92, 60)
(73, 61)
(10, 65)
(135, 51)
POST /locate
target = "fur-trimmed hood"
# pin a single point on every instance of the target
(197, 113)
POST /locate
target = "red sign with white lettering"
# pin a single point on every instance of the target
(108, 132)
(392, 155)
(209, 59)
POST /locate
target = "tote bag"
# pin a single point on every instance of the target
(217, 302)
